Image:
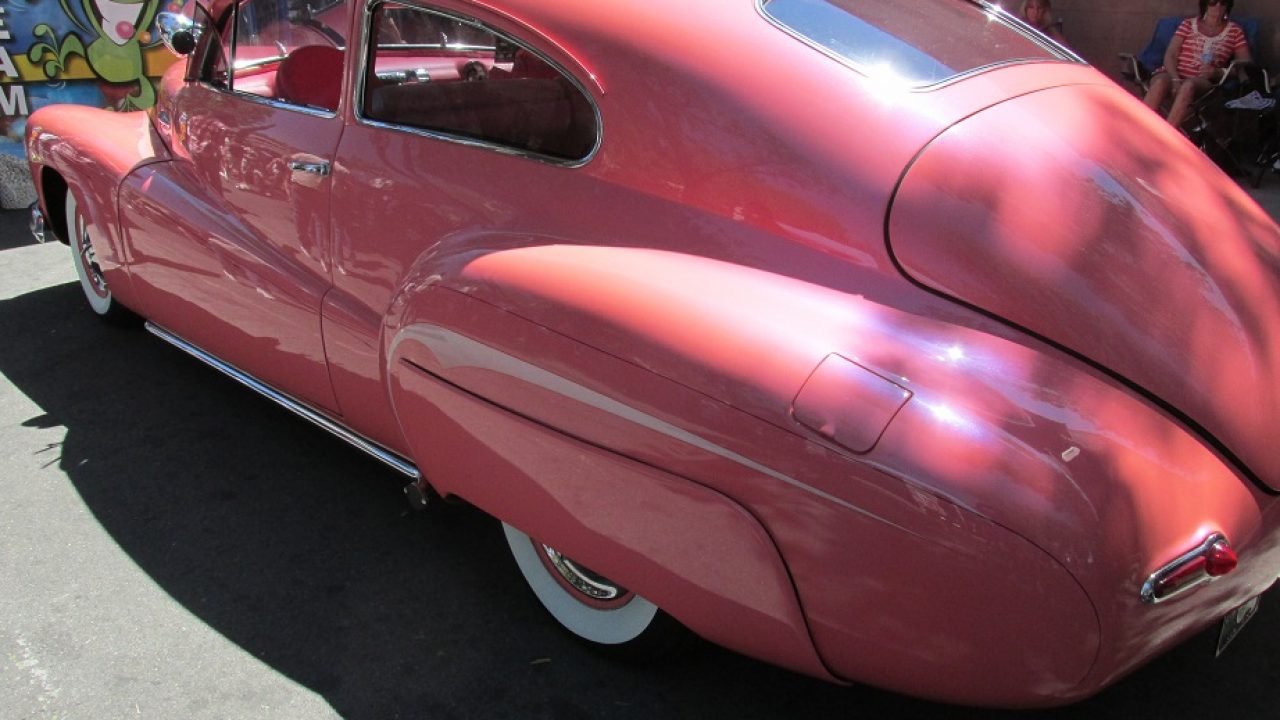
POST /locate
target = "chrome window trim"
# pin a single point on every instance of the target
(272, 102)
(463, 47)
(261, 99)
(1045, 41)
(1012, 22)
(362, 70)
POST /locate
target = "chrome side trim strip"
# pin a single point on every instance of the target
(398, 463)
(270, 102)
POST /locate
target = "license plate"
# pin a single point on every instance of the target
(1234, 622)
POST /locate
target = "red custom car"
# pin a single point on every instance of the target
(886, 342)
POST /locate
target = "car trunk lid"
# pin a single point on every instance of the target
(1077, 214)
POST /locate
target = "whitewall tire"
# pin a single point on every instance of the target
(590, 606)
(83, 254)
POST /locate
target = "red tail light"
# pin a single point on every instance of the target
(1211, 560)
(1220, 559)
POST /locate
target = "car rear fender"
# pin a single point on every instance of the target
(693, 551)
(646, 354)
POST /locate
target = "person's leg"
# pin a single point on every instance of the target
(1187, 92)
(1157, 91)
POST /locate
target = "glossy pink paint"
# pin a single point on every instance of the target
(1060, 236)
(663, 337)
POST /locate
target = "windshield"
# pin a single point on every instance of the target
(922, 42)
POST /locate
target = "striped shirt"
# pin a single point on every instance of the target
(1200, 51)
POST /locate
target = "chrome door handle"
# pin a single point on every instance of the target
(315, 168)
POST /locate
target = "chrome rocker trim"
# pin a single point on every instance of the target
(388, 457)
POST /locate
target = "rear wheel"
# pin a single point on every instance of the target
(591, 606)
(92, 280)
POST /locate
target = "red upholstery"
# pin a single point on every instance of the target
(311, 75)
(545, 116)
(527, 65)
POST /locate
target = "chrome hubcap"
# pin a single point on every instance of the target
(90, 260)
(581, 579)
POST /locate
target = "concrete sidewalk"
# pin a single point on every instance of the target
(1268, 195)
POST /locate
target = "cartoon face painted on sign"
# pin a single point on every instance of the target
(117, 28)
(118, 20)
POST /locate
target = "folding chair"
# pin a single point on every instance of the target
(1209, 124)
(1227, 131)
(1267, 121)
(1139, 68)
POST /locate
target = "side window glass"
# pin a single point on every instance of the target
(286, 50)
(456, 77)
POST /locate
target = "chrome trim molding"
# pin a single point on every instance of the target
(270, 102)
(316, 418)
(1148, 592)
(178, 32)
(313, 168)
(991, 9)
(581, 580)
(36, 223)
(277, 104)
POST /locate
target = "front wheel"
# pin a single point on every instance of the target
(592, 607)
(92, 280)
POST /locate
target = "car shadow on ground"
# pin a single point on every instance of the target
(302, 552)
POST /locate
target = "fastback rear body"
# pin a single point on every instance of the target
(908, 386)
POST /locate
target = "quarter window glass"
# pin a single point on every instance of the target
(922, 42)
(287, 50)
(450, 76)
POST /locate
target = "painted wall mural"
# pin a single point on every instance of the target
(92, 52)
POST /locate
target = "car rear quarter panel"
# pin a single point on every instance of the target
(1030, 492)
(697, 554)
(870, 555)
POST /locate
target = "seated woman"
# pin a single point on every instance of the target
(1197, 58)
(1039, 15)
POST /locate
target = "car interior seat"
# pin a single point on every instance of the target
(311, 75)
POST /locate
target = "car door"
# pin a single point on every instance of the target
(230, 240)
(461, 130)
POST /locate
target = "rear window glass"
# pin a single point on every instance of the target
(923, 42)
(459, 78)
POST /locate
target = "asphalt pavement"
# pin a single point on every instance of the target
(172, 546)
